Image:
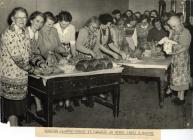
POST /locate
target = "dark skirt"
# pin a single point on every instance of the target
(12, 107)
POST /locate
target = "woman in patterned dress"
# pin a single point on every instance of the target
(126, 35)
(88, 46)
(14, 62)
(87, 41)
(180, 68)
(107, 38)
(142, 32)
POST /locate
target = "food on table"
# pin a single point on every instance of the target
(46, 71)
(146, 53)
(51, 60)
(57, 70)
(137, 54)
(167, 44)
(107, 62)
(94, 64)
(67, 68)
(82, 65)
(63, 61)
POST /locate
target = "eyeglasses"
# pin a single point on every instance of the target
(20, 18)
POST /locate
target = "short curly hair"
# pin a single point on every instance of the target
(13, 13)
(105, 18)
(64, 15)
(34, 15)
(49, 15)
(116, 11)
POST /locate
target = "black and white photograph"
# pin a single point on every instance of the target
(107, 64)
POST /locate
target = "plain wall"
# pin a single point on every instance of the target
(142, 5)
(81, 10)
(7, 5)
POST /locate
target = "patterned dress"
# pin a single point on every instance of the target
(180, 69)
(14, 62)
(142, 34)
(125, 41)
(88, 39)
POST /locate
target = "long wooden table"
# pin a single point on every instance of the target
(53, 87)
(149, 68)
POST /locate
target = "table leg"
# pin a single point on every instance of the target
(115, 99)
(29, 102)
(49, 110)
(192, 103)
(162, 86)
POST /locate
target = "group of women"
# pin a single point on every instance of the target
(42, 39)
(34, 42)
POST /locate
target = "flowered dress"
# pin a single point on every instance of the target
(125, 39)
(14, 63)
(88, 39)
(180, 68)
(142, 33)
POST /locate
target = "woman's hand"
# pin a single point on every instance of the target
(92, 54)
(51, 60)
(123, 55)
(61, 50)
(37, 71)
(44, 66)
(116, 56)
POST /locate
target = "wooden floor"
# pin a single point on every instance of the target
(139, 108)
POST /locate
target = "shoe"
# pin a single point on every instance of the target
(177, 101)
(58, 107)
(53, 113)
(20, 124)
(103, 96)
(69, 108)
(87, 103)
(167, 95)
(76, 102)
(40, 113)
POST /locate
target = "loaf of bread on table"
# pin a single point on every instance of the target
(94, 64)
(107, 63)
(82, 65)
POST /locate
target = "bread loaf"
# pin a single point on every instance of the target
(94, 64)
(82, 65)
(107, 63)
